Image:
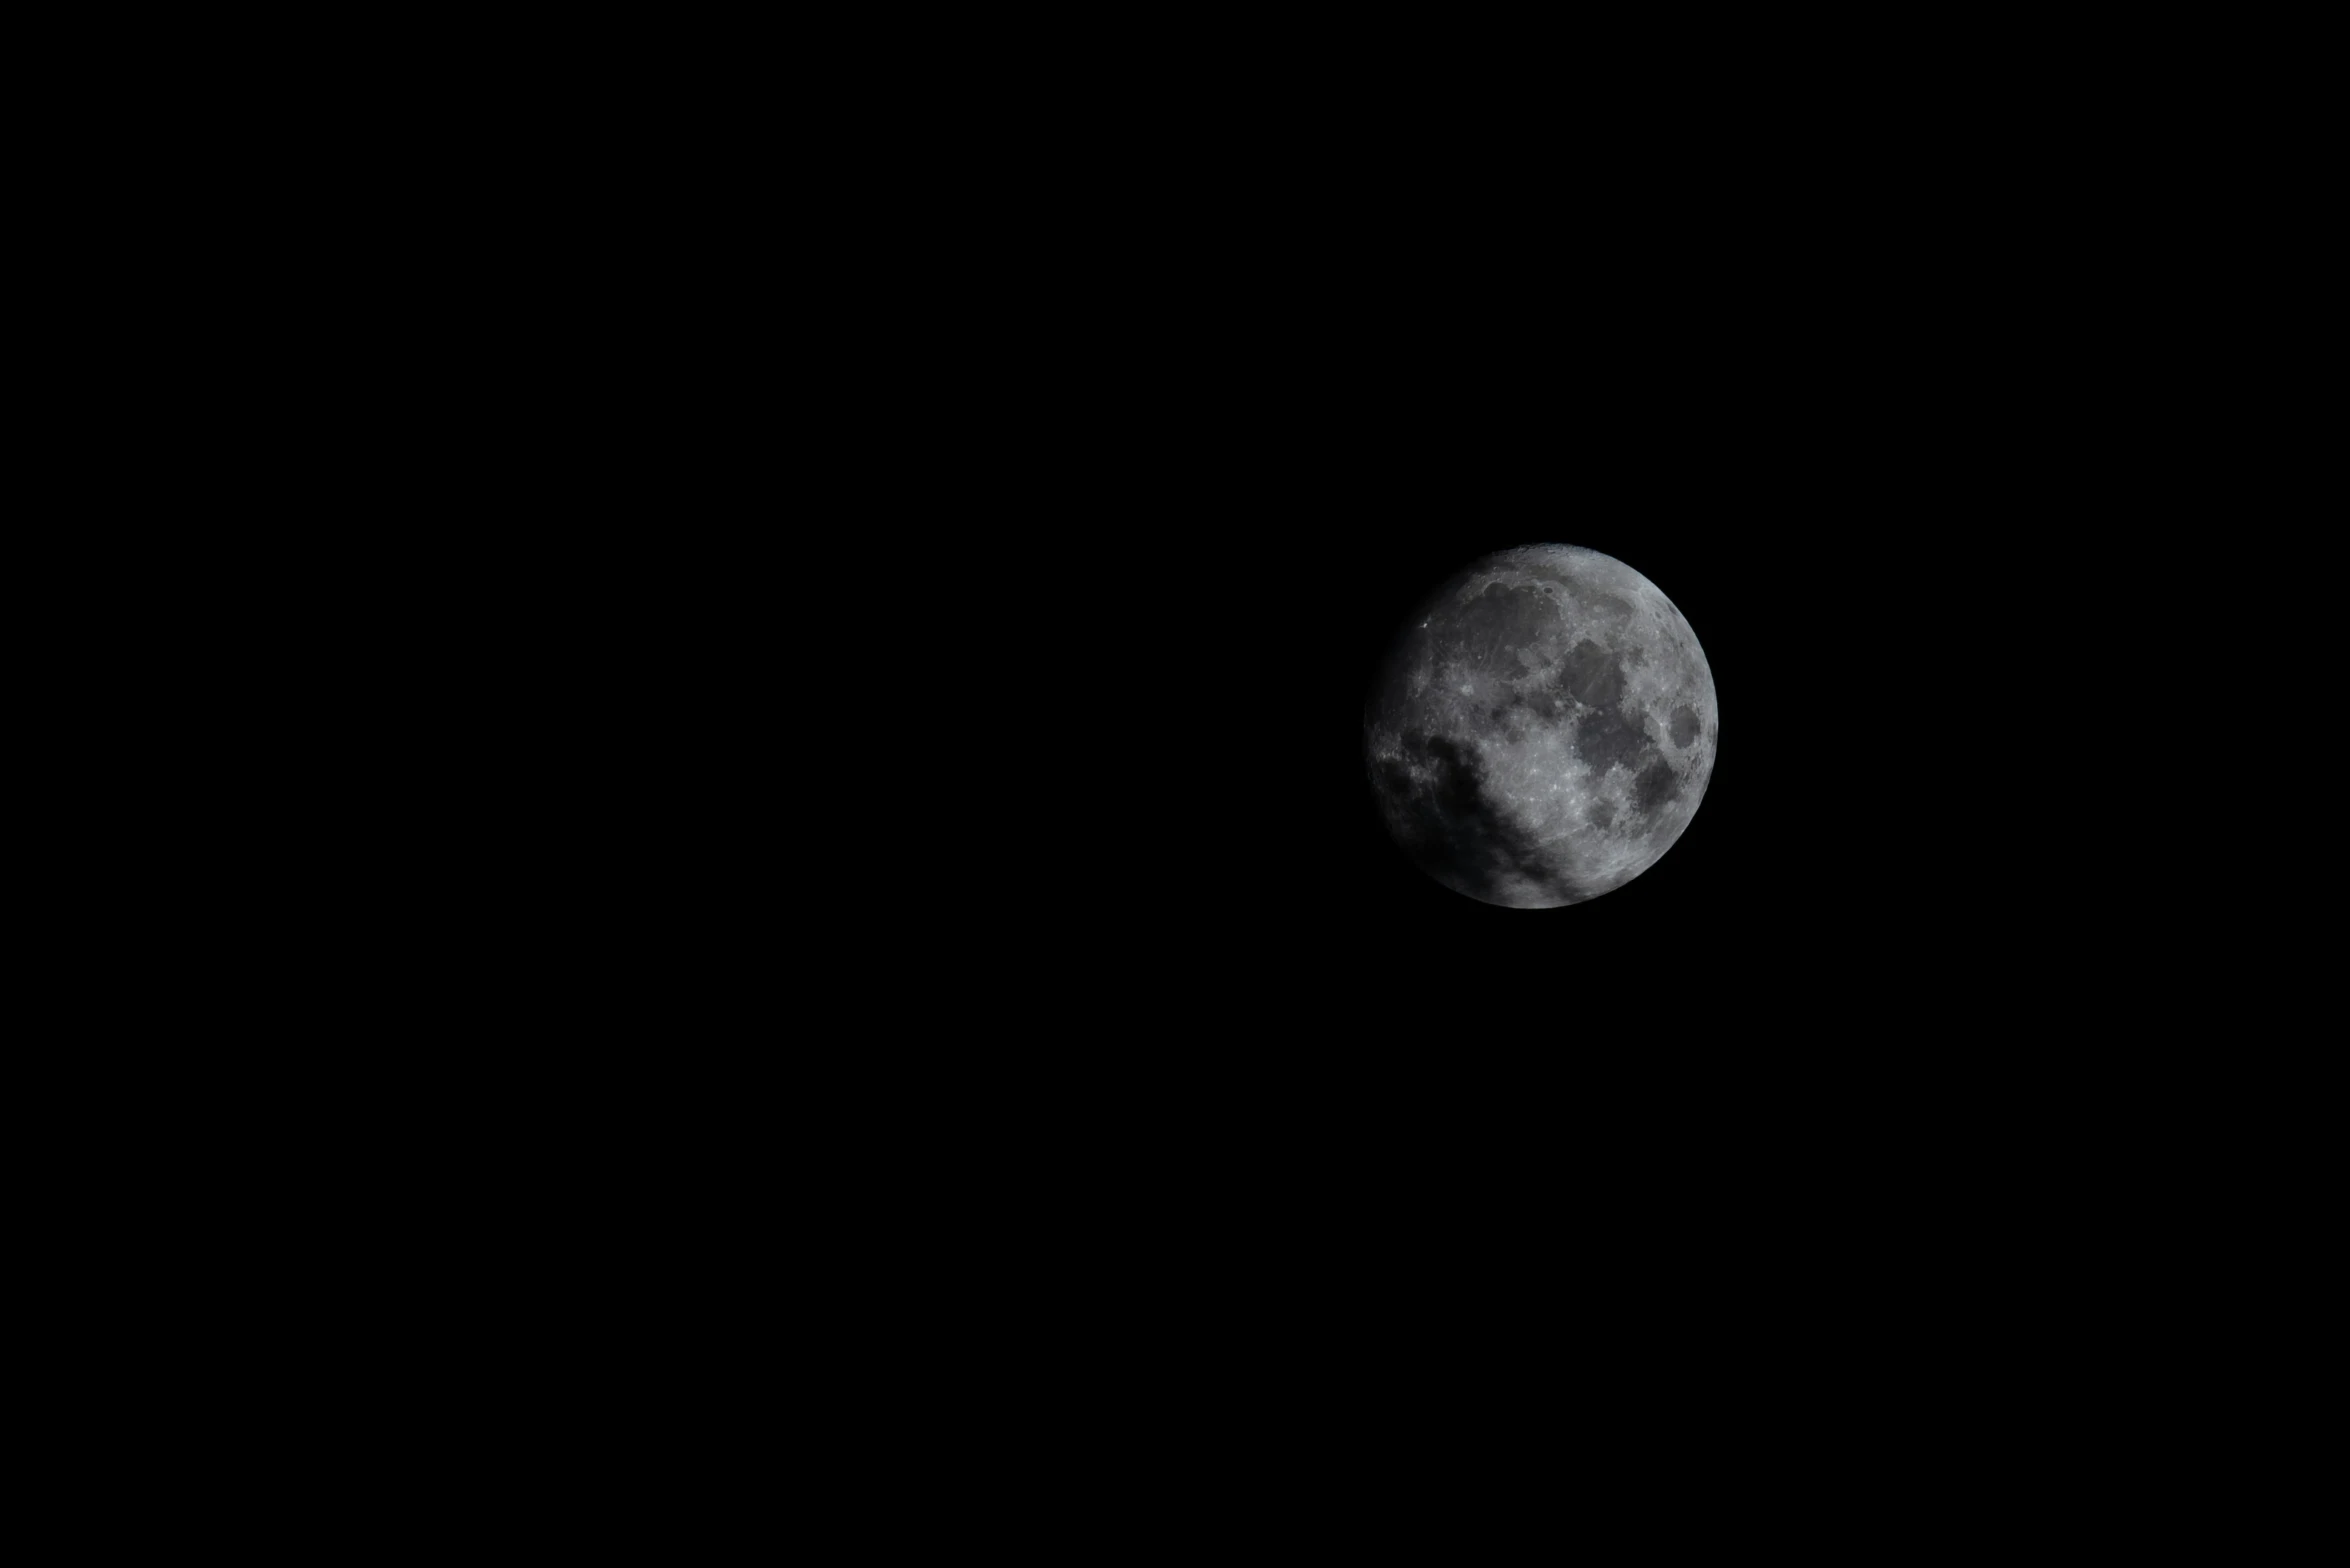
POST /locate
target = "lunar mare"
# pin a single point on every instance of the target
(1542, 729)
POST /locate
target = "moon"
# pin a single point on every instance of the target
(1542, 728)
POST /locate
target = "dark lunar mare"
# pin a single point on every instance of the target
(1592, 675)
(1593, 600)
(1656, 784)
(1606, 737)
(1487, 632)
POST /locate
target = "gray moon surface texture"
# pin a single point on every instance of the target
(1542, 728)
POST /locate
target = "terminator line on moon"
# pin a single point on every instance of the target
(1542, 729)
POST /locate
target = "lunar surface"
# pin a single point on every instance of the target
(1543, 728)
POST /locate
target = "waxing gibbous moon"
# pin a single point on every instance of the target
(1542, 728)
